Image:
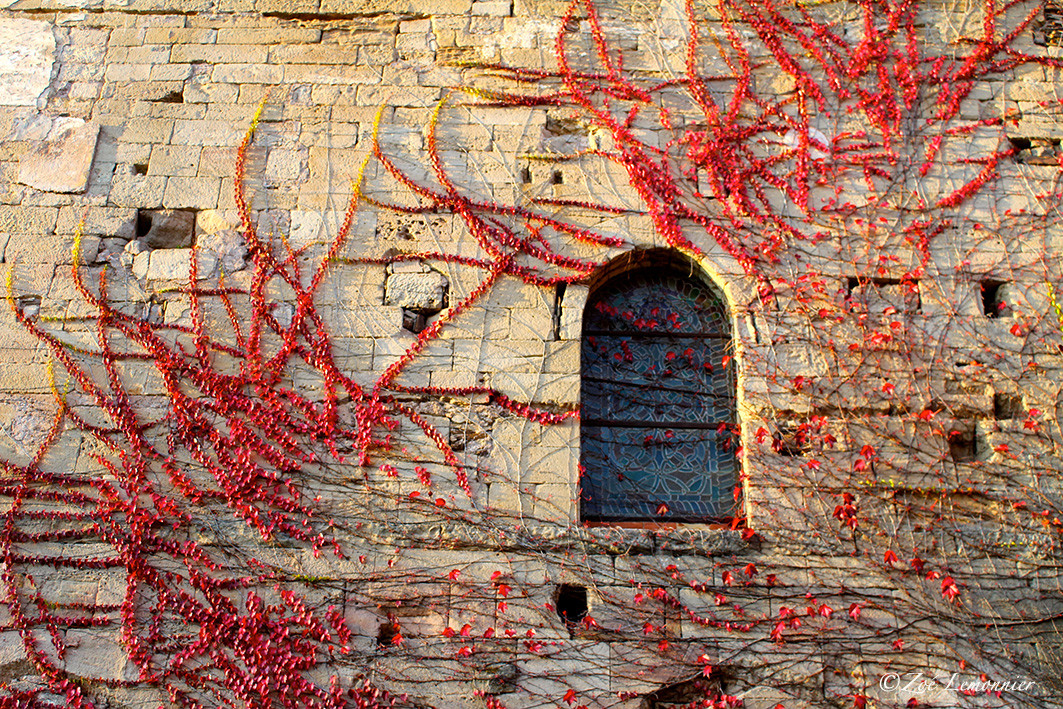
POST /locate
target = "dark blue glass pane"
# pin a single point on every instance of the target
(658, 401)
(657, 302)
(657, 474)
(661, 379)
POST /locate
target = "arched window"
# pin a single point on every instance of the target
(658, 396)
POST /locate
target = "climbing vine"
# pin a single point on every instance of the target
(286, 531)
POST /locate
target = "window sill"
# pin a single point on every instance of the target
(677, 539)
(672, 538)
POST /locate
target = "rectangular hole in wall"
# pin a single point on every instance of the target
(1007, 407)
(559, 301)
(963, 446)
(991, 302)
(792, 438)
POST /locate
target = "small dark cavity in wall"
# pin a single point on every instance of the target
(792, 438)
(992, 306)
(140, 168)
(414, 321)
(1035, 151)
(388, 633)
(172, 97)
(559, 299)
(694, 692)
(1007, 407)
(144, 219)
(963, 443)
(570, 601)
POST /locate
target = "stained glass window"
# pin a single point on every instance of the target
(658, 403)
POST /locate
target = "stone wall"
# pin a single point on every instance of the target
(898, 380)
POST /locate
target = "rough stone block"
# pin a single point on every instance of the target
(145, 130)
(425, 291)
(191, 192)
(247, 74)
(179, 160)
(220, 53)
(171, 72)
(221, 161)
(36, 248)
(111, 222)
(118, 73)
(62, 162)
(197, 132)
(144, 191)
(493, 8)
(126, 36)
(179, 35)
(228, 248)
(268, 36)
(97, 653)
(175, 264)
(314, 54)
(286, 166)
(27, 51)
(339, 74)
(30, 220)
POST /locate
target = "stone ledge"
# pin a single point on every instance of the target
(542, 537)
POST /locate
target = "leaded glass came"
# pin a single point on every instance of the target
(658, 403)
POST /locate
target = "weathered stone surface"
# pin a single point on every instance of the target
(140, 191)
(170, 228)
(211, 221)
(228, 247)
(107, 222)
(417, 291)
(27, 51)
(30, 220)
(34, 247)
(127, 258)
(140, 262)
(26, 420)
(96, 653)
(174, 264)
(285, 166)
(62, 162)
